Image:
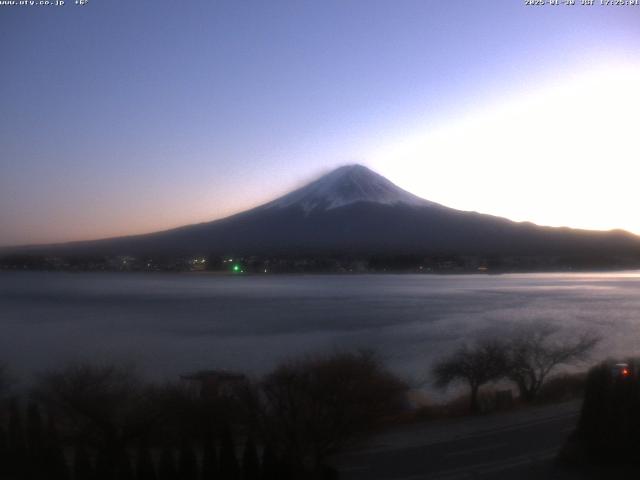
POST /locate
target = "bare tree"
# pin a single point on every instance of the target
(474, 365)
(535, 352)
(313, 407)
(101, 405)
(5, 381)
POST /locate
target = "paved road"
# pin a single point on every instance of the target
(515, 445)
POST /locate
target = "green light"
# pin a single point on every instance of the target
(236, 268)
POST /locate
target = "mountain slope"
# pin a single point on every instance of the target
(354, 210)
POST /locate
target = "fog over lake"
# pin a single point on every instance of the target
(173, 323)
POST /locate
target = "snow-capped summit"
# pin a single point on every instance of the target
(344, 186)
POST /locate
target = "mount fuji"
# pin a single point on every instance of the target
(353, 210)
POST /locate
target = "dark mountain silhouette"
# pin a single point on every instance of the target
(353, 210)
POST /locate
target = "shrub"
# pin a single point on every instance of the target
(316, 406)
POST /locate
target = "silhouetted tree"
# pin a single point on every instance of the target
(167, 468)
(35, 433)
(105, 464)
(250, 461)
(144, 467)
(536, 351)
(286, 469)
(329, 473)
(315, 407)
(107, 404)
(476, 365)
(124, 470)
(16, 433)
(269, 464)
(17, 460)
(228, 461)
(35, 443)
(5, 381)
(6, 463)
(209, 459)
(82, 466)
(181, 411)
(34, 427)
(4, 453)
(55, 460)
(187, 462)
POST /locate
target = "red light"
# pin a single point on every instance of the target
(625, 372)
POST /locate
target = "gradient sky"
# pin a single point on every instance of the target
(129, 116)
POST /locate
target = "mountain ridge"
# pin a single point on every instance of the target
(353, 210)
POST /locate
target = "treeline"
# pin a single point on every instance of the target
(104, 422)
(320, 263)
(89, 422)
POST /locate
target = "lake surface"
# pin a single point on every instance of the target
(173, 323)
